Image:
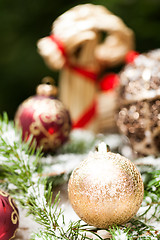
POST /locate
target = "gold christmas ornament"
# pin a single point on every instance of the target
(139, 103)
(105, 189)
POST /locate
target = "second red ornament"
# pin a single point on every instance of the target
(9, 216)
(44, 117)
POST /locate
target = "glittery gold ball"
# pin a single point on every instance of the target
(105, 189)
(139, 103)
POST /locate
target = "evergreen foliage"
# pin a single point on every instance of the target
(22, 176)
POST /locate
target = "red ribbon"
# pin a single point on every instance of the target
(86, 116)
(80, 70)
(110, 81)
(130, 56)
(59, 45)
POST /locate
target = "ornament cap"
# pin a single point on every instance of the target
(47, 87)
(102, 148)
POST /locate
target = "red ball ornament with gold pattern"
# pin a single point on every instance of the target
(9, 217)
(44, 117)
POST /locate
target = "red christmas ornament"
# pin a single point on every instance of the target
(9, 217)
(45, 117)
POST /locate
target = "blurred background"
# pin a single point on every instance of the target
(22, 23)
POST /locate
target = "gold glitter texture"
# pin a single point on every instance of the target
(105, 189)
(139, 103)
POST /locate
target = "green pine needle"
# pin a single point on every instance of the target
(21, 175)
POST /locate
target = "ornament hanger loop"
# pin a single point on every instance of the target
(47, 88)
(48, 80)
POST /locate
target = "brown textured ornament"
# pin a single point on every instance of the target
(139, 103)
(45, 117)
(105, 189)
(9, 217)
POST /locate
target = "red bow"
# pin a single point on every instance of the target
(108, 82)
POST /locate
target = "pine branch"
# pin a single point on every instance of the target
(119, 233)
(21, 174)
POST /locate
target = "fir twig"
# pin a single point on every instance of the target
(20, 173)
